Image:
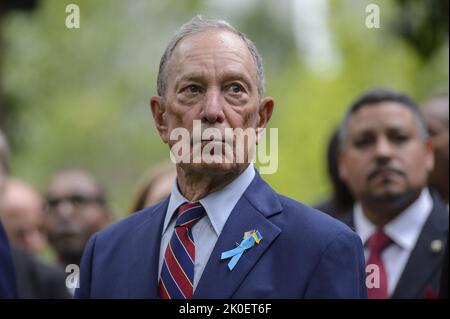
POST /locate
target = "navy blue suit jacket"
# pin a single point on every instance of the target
(303, 254)
(7, 272)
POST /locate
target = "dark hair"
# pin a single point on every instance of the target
(342, 197)
(382, 95)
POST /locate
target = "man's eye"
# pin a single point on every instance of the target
(362, 143)
(193, 88)
(432, 132)
(400, 139)
(235, 88)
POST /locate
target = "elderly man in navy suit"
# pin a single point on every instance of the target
(223, 232)
(7, 273)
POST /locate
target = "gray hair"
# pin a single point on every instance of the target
(199, 24)
(376, 96)
(4, 151)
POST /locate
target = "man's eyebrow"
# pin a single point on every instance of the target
(235, 75)
(398, 129)
(388, 130)
(195, 77)
(361, 128)
(191, 76)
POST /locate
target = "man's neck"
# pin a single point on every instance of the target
(69, 259)
(382, 212)
(195, 184)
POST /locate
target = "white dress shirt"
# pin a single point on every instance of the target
(404, 231)
(206, 231)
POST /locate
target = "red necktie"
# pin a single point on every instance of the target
(376, 244)
(177, 274)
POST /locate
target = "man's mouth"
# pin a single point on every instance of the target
(385, 173)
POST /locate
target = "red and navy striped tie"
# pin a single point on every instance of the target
(177, 274)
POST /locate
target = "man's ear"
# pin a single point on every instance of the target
(265, 111)
(429, 159)
(264, 114)
(158, 109)
(342, 169)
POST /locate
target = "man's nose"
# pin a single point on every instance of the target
(65, 209)
(213, 107)
(384, 148)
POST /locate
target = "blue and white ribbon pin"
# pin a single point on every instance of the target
(237, 252)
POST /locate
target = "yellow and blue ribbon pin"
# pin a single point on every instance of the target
(250, 238)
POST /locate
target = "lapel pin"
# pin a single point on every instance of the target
(436, 246)
(250, 238)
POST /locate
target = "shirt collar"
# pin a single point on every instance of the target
(405, 229)
(218, 205)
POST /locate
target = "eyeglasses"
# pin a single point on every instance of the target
(76, 200)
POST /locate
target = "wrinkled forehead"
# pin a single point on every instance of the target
(202, 48)
(382, 117)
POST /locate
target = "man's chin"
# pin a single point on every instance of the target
(69, 243)
(390, 197)
(387, 189)
(214, 168)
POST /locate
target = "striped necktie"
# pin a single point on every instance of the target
(177, 273)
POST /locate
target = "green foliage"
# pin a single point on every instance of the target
(82, 95)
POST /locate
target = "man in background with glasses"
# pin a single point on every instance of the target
(76, 209)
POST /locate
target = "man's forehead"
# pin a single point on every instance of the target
(19, 191)
(437, 110)
(210, 38)
(212, 43)
(381, 116)
(75, 183)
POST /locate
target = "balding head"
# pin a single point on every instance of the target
(75, 181)
(435, 111)
(22, 215)
(436, 108)
(197, 25)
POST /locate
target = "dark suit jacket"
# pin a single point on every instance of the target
(7, 273)
(422, 273)
(444, 276)
(36, 279)
(303, 254)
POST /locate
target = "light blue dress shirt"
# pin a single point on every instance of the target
(206, 231)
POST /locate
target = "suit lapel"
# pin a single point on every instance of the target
(423, 263)
(251, 212)
(144, 254)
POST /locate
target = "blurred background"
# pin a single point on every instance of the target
(80, 97)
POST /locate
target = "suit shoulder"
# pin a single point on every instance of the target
(312, 222)
(129, 223)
